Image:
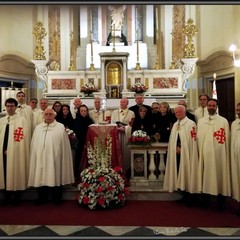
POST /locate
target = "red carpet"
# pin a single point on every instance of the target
(134, 213)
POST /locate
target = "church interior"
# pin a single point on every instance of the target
(176, 51)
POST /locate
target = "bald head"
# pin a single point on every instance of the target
(49, 115)
(123, 103)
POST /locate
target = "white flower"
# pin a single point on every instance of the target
(139, 133)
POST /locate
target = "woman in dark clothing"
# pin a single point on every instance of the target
(80, 127)
(143, 122)
(57, 106)
(166, 121)
(65, 117)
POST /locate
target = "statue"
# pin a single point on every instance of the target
(117, 15)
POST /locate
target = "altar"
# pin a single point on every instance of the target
(102, 132)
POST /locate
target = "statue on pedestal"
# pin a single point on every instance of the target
(117, 17)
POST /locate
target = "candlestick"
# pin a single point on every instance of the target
(156, 18)
(91, 40)
(92, 68)
(137, 45)
(114, 50)
(138, 67)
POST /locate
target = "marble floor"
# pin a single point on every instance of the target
(113, 232)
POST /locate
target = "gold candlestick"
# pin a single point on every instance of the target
(138, 67)
(72, 66)
(92, 68)
(157, 64)
(113, 33)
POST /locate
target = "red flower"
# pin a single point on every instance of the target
(126, 191)
(139, 139)
(91, 170)
(85, 185)
(99, 189)
(120, 196)
(132, 139)
(85, 200)
(101, 201)
(110, 188)
(101, 179)
(146, 139)
(117, 169)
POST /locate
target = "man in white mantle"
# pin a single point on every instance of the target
(214, 156)
(124, 118)
(182, 159)
(50, 159)
(14, 160)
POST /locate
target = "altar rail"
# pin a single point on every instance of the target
(148, 164)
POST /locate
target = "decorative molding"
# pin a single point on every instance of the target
(218, 61)
(13, 66)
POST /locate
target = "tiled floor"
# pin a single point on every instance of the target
(95, 232)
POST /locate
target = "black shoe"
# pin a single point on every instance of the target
(57, 202)
(6, 202)
(221, 208)
(204, 204)
(237, 213)
(39, 202)
(16, 202)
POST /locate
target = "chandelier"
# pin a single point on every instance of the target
(233, 49)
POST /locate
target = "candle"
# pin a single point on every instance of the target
(91, 22)
(156, 18)
(91, 39)
(137, 45)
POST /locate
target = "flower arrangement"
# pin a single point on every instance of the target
(139, 137)
(88, 88)
(101, 186)
(72, 138)
(139, 87)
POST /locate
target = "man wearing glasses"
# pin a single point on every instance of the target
(14, 143)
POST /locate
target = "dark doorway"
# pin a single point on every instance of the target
(226, 98)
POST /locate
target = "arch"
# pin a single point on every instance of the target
(16, 67)
(114, 73)
(218, 61)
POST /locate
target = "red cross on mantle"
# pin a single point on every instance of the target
(18, 134)
(193, 133)
(220, 135)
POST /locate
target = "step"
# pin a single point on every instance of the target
(135, 193)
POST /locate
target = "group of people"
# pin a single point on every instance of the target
(39, 157)
(36, 151)
(202, 159)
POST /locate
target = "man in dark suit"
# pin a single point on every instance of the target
(188, 114)
(139, 99)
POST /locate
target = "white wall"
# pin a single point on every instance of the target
(16, 26)
(216, 28)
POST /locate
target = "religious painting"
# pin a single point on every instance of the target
(139, 164)
(63, 84)
(168, 82)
